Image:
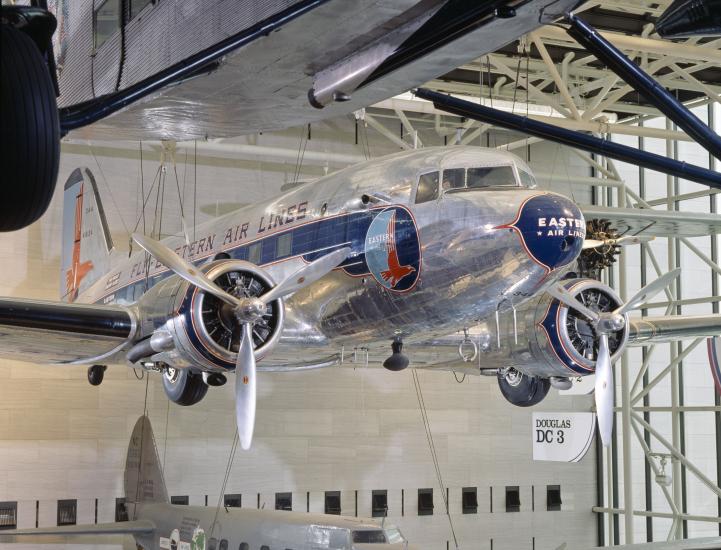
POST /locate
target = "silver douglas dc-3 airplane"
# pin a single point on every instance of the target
(453, 253)
(158, 525)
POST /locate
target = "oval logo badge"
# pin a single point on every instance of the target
(392, 249)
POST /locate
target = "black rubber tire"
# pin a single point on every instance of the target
(528, 392)
(29, 130)
(187, 387)
(96, 373)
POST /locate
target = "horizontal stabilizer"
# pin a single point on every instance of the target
(140, 527)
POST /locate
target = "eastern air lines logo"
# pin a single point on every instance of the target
(551, 229)
(392, 249)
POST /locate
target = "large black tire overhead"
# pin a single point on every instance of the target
(183, 386)
(29, 130)
(522, 390)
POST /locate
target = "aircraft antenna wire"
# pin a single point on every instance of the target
(228, 467)
(432, 448)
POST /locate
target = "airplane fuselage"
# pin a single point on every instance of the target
(418, 268)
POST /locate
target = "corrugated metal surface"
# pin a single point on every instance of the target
(163, 33)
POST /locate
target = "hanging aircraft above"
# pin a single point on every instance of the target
(158, 525)
(182, 70)
(398, 251)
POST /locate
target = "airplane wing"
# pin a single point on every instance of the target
(264, 85)
(139, 527)
(657, 223)
(56, 332)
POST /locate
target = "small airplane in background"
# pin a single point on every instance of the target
(472, 276)
(158, 525)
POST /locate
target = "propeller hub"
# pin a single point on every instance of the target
(250, 309)
(611, 322)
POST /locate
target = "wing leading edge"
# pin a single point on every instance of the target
(55, 332)
(656, 223)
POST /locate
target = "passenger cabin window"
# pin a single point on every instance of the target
(223, 545)
(369, 537)
(427, 188)
(491, 176)
(454, 178)
(254, 253)
(106, 21)
(244, 546)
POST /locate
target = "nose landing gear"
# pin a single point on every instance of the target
(96, 373)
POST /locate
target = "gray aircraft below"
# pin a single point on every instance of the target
(447, 258)
(158, 525)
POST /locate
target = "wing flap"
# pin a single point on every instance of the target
(658, 223)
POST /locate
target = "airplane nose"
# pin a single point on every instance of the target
(551, 228)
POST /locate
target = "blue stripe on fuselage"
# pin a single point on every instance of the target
(309, 241)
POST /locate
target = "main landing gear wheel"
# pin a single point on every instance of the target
(30, 131)
(96, 373)
(183, 386)
(522, 390)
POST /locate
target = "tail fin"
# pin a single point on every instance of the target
(86, 238)
(143, 476)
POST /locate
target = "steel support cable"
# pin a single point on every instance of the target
(228, 468)
(432, 448)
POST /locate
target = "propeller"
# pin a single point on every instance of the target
(606, 323)
(247, 311)
(621, 241)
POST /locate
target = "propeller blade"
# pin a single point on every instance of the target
(633, 239)
(648, 292)
(245, 387)
(592, 243)
(306, 275)
(562, 295)
(604, 391)
(182, 268)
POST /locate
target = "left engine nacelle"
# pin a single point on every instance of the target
(205, 332)
(553, 340)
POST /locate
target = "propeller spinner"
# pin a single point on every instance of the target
(247, 311)
(605, 324)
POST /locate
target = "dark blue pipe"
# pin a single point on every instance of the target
(607, 53)
(571, 138)
(83, 114)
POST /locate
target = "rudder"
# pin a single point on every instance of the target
(86, 238)
(143, 475)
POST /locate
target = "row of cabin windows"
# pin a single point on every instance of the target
(68, 508)
(108, 18)
(432, 184)
(268, 250)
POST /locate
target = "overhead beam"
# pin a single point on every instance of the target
(707, 52)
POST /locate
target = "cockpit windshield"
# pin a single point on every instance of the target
(375, 536)
(493, 176)
(458, 179)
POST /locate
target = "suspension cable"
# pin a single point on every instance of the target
(228, 467)
(432, 448)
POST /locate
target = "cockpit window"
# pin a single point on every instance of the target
(455, 178)
(394, 535)
(427, 188)
(527, 179)
(369, 536)
(492, 176)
